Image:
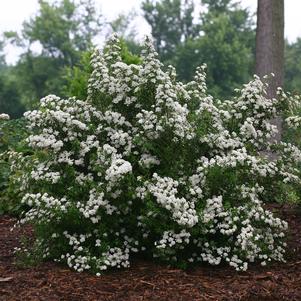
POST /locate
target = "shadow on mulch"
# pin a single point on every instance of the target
(148, 281)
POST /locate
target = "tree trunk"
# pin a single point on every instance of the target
(270, 47)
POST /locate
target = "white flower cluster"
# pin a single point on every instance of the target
(148, 160)
(148, 164)
(117, 170)
(170, 238)
(91, 208)
(165, 191)
(4, 116)
(42, 173)
(293, 121)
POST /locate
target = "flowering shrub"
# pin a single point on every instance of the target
(153, 166)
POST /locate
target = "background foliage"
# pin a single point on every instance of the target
(12, 136)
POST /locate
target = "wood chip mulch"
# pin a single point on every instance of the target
(149, 281)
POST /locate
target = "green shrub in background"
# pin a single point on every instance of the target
(292, 134)
(4, 166)
(153, 166)
(77, 78)
(12, 146)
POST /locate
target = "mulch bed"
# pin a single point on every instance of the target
(149, 281)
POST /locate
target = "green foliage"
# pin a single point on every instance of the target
(13, 132)
(223, 38)
(126, 53)
(225, 47)
(12, 146)
(172, 24)
(292, 67)
(77, 78)
(218, 6)
(36, 76)
(2, 56)
(10, 97)
(64, 30)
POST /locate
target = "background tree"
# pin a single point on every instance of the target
(226, 45)
(292, 66)
(123, 26)
(172, 24)
(63, 30)
(270, 47)
(2, 56)
(270, 42)
(9, 95)
(222, 37)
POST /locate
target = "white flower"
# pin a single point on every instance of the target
(4, 116)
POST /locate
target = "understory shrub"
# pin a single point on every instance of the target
(292, 135)
(12, 145)
(153, 166)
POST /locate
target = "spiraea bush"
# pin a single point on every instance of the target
(153, 166)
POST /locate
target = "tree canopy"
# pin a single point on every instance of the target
(62, 30)
(222, 36)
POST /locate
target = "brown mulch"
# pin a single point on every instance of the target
(149, 281)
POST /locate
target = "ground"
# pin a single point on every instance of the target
(149, 281)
